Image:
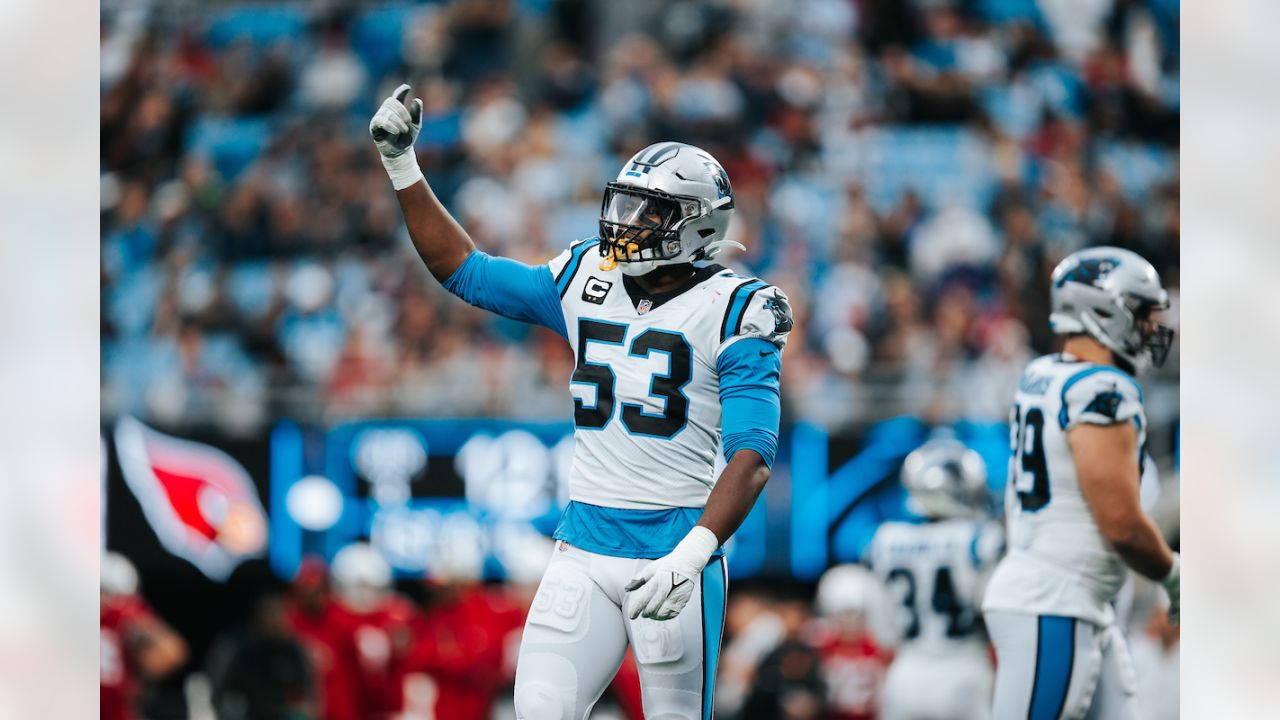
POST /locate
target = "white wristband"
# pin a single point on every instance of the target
(403, 169)
(697, 546)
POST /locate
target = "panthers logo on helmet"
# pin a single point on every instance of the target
(721, 178)
(1089, 271)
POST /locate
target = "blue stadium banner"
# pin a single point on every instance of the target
(843, 486)
(432, 495)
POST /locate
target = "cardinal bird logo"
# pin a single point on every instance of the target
(201, 503)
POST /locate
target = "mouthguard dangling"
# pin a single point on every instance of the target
(610, 260)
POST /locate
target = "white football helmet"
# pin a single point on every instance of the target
(847, 589)
(670, 204)
(361, 576)
(945, 479)
(117, 575)
(1109, 294)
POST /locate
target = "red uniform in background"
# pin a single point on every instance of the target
(456, 665)
(327, 631)
(383, 639)
(853, 668)
(118, 670)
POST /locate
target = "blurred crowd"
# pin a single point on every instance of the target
(907, 170)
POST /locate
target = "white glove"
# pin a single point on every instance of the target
(1173, 585)
(394, 129)
(663, 587)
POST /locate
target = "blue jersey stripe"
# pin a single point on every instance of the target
(714, 592)
(1055, 657)
(1062, 410)
(571, 268)
(737, 307)
(623, 532)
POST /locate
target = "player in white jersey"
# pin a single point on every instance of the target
(675, 358)
(1073, 505)
(934, 573)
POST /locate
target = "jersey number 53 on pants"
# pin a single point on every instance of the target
(669, 386)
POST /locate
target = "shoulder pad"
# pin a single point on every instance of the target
(757, 310)
(565, 265)
(1100, 395)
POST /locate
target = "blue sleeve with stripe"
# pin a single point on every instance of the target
(750, 401)
(510, 289)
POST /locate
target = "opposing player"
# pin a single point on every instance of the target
(849, 601)
(675, 356)
(380, 623)
(934, 572)
(136, 646)
(1074, 515)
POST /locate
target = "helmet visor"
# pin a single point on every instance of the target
(627, 208)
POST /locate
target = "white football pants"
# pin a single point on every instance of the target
(1052, 666)
(578, 631)
(929, 686)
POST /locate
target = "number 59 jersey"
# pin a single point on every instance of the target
(646, 384)
(1058, 562)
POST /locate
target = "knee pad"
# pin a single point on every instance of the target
(539, 701)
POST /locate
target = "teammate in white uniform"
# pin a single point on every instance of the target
(934, 573)
(1074, 512)
(675, 358)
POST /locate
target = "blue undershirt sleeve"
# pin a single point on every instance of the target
(750, 404)
(510, 289)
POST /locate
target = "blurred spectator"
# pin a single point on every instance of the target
(136, 646)
(788, 684)
(752, 629)
(254, 264)
(262, 672)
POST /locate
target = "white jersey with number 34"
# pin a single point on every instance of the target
(1058, 562)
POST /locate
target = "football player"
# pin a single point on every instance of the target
(848, 601)
(380, 622)
(675, 356)
(136, 645)
(934, 571)
(1073, 507)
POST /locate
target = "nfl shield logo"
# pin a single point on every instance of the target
(644, 305)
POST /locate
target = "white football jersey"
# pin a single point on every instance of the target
(933, 574)
(645, 386)
(1058, 563)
